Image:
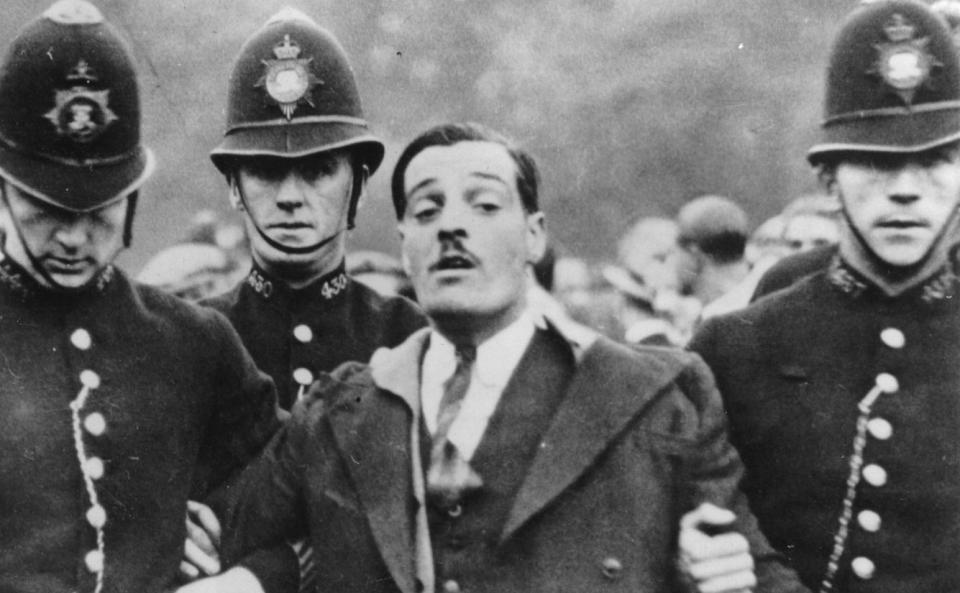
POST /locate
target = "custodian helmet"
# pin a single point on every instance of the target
(293, 93)
(70, 111)
(893, 84)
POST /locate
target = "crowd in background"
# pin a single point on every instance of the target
(669, 273)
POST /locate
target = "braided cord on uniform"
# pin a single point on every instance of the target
(75, 406)
(853, 480)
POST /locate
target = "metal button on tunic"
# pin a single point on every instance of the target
(89, 379)
(80, 339)
(94, 560)
(95, 424)
(880, 428)
(875, 475)
(451, 586)
(93, 467)
(893, 338)
(97, 516)
(303, 333)
(869, 521)
(888, 383)
(303, 376)
(863, 567)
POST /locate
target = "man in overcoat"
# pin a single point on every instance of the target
(842, 390)
(117, 401)
(491, 452)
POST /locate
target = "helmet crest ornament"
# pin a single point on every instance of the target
(287, 79)
(79, 112)
(903, 61)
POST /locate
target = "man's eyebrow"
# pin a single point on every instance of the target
(490, 176)
(423, 183)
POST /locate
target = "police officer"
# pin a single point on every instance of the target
(842, 391)
(297, 154)
(117, 402)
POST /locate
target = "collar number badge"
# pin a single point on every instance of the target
(288, 79)
(903, 61)
(79, 112)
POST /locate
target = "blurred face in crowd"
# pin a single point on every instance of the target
(466, 237)
(648, 253)
(900, 203)
(297, 202)
(70, 247)
(684, 262)
(809, 231)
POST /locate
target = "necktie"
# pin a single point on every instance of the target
(449, 475)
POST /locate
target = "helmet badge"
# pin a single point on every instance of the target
(903, 61)
(288, 79)
(79, 112)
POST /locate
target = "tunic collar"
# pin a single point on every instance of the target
(942, 286)
(268, 287)
(16, 280)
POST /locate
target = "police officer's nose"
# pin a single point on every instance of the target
(289, 194)
(904, 185)
(71, 235)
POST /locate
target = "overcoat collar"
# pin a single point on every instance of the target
(611, 386)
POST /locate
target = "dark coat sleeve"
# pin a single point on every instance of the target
(713, 472)
(245, 417)
(245, 413)
(266, 506)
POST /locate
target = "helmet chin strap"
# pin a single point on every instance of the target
(306, 249)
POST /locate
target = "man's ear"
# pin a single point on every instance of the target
(827, 177)
(536, 236)
(234, 193)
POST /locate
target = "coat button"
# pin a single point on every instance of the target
(869, 521)
(893, 338)
(455, 511)
(80, 339)
(97, 516)
(95, 424)
(611, 567)
(303, 333)
(93, 468)
(863, 567)
(887, 383)
(880, 428)
(94, 560)
(89, 379)
(303, 376)
(451, 586)
(875, 475)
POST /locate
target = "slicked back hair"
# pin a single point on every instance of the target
(528, 177)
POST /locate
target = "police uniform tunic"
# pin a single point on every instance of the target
(845, 406)
(294, 335)
(116, 405)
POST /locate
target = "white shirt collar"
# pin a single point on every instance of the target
(497, 359)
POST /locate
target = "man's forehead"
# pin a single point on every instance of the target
(472, 158)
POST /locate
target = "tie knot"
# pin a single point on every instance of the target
(466, 355)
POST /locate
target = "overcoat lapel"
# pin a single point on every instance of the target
(611, 385)
(374, 436)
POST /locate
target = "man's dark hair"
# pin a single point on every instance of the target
(528, 178)
(716, 225)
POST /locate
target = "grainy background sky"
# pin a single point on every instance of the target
(632, 107)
